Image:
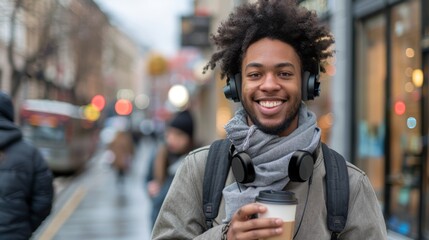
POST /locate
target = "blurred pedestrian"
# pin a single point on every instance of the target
(26, 189)
(122, 147)
(179, 140)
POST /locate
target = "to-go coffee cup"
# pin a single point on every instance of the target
(280, 204)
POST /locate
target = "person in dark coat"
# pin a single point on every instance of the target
(26, 188)
(179, 140)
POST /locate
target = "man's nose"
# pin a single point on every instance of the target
(270, 82)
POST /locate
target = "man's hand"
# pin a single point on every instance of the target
(243, 226)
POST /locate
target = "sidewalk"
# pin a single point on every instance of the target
(99, 207)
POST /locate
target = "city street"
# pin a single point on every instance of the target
(94, 205)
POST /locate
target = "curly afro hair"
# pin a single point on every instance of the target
(282, 20)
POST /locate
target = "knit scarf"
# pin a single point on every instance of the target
(270, 155)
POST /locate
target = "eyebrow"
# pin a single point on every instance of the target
(279, 65)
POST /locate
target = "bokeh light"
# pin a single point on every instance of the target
(418, 77)
(411, 122)
(178, 95)
(123, 107)
(409, 52)
(91, 112)
(400, 107)
(142, 101)
(99, 102)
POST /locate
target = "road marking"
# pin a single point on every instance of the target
(64, 213)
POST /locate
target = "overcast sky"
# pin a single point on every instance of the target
(153, 23)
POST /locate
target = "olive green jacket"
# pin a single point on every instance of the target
(182, 215)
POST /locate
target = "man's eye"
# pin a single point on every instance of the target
(254, 75)
(285, 74)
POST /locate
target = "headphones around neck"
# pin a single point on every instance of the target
(310, 86)
(300, 166)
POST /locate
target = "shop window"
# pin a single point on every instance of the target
(370, 89)
(405, 121)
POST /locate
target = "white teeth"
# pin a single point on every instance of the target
(270, 104)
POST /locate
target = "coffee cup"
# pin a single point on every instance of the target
(280, 204)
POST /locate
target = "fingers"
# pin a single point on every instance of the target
(245, 212)
(258, 228)
(244, 227)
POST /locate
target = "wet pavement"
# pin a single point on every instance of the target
(96, 205)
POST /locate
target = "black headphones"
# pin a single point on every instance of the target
(300, 166)
(310, 86)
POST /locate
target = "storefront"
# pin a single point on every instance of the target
(391, 65)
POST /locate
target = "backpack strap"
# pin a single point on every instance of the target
(215, 174)
(337, 190)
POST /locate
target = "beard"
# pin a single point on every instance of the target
(276, 129)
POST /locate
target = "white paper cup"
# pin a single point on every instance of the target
(280, 204)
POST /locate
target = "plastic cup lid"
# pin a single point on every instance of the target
(276, 197)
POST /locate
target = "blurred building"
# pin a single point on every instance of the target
(122, 66)
(65, 50)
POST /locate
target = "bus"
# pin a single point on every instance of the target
(65, 139)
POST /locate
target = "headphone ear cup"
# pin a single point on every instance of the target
(310, 84)
(232, 88)
(313, 87)
(300, 166)
(242, 168)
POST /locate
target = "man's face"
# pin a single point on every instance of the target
(271, 86)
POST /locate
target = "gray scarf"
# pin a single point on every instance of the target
(270, 155)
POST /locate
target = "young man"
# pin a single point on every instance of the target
(269, 47)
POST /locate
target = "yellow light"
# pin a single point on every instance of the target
(418, 77)
(157, 65)
(91, 112)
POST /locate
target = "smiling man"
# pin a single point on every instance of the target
(271, 52)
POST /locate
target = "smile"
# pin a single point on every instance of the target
(270, 104)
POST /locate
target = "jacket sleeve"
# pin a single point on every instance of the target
(181, 215)
(365, 218)
(42, 191)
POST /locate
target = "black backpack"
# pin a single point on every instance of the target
(337, 182)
